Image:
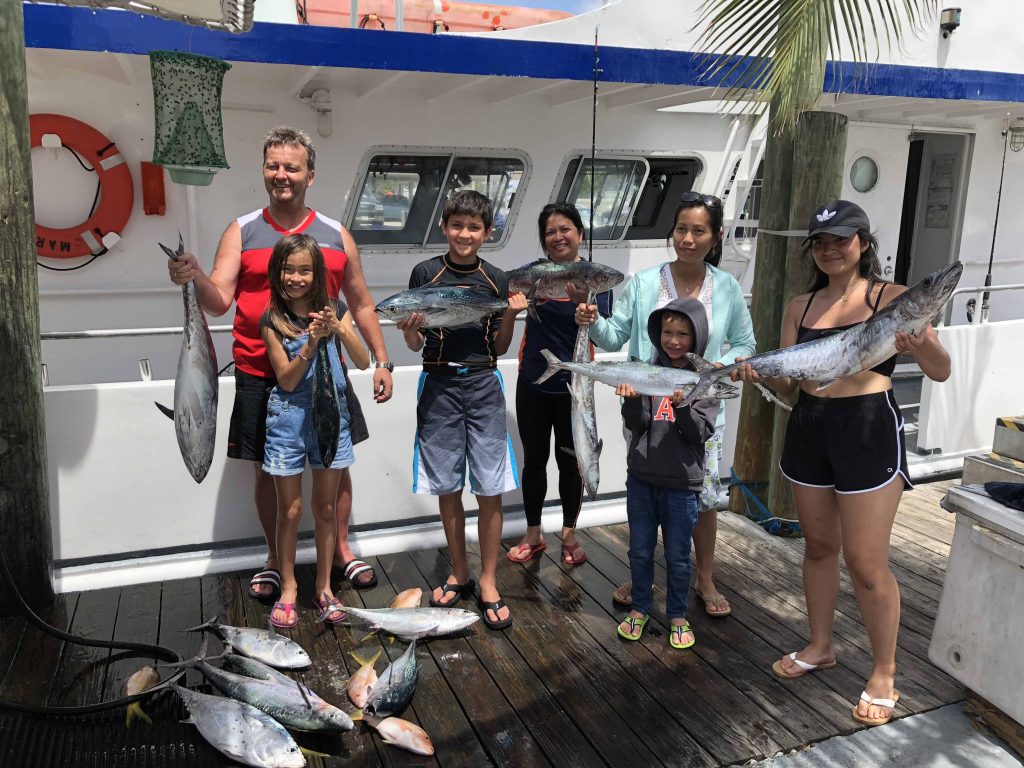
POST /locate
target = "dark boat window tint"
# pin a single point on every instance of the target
(496, 178)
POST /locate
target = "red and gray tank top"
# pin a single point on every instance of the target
(260, 234)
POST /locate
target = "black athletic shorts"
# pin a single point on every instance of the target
(247, 433)
(852, 444)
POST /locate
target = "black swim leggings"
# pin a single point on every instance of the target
(538, 414)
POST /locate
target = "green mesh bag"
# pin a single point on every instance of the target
(189, 139)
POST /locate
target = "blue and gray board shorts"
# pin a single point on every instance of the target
(460, 419)
(291, 436)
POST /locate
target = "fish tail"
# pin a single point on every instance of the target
(363, 662)
(202, 627)
(700, 365)
(357, 715)
(531, 310)
(135, 713)
(554, 366)
(598, 447)
(168, 412)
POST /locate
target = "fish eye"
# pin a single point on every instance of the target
(392, 308)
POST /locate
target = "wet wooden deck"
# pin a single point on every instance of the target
(558, 688)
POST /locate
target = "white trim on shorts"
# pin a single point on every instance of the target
(805, 485)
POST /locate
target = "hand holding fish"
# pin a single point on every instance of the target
(586, 314)
(927, 351)
(625, 390)
(516, 303)
(677, 397)
(183, 269)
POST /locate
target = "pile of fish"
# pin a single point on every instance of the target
(445, 305)
(195, 384)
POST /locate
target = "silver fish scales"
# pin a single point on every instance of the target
(586, 443)
(443, 305)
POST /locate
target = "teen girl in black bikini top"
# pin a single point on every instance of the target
(886, 367)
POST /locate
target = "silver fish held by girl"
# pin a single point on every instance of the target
(445, 305)
(583, 418)
(195, 384)
(261, 644)
(412, 623)
(545, 279)
(277, 695)
(856, 349)
(399, 733)
(241, 732)
(394, 689)
(645, 379)
(326, 405)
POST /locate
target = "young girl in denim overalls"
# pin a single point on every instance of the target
(298, 317)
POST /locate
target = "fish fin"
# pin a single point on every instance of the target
(553, 366)
(600, 445)
(367, 636)
(312, 752)
(825, 384)
(357, 715)
(391, 641)
(305, 696)
(181, 244)
(170, 253)
(635, 359)
(531, 310)
(188, 720)
(273, 630)
(135, 713)
(202, 627)
(363, 662)
(568, 450)
(168, 412)
(700, 365)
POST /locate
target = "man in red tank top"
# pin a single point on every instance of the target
(239, 277)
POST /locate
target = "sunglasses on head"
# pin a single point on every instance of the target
(696, 197)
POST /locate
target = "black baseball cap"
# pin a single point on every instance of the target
(837, 217)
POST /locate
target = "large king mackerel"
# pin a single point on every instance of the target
(586, 443)
(645, 379)
(195, 384)
(442, 305)
(856, 349)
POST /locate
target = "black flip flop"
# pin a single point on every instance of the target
(463, 590)
(496, 606)
(270, 576)
(353, 569)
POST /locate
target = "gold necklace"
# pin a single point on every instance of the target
(846, 295)
(687, 290)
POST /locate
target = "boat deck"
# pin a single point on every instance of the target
(558, 688)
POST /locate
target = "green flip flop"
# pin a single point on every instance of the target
(678, 630)
(636, 627)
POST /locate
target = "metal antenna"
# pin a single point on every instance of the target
(593, 152)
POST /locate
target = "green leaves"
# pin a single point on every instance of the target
(774, 51)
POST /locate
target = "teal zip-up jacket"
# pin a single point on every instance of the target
(730, 320)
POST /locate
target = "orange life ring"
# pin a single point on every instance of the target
(117, 193)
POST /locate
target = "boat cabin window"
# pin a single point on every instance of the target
(402, 194)
(634, 197)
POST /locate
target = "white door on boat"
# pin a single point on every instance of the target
(875, 177)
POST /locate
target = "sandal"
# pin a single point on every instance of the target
(636, 627)
(526, 552)
(803, 666)
(889, 704)
(713, 601)
(623, 597)
(353, 569)
(328, 607)
(678, 630)
(569, 556)
(460, 590)
(496, 606)
(288, 609)
(270, 576)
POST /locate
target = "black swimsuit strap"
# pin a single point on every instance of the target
(878, 299)
(804, 315)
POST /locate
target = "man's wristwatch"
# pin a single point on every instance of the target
(388, 365)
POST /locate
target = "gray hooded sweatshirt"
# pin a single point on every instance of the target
(666, 446)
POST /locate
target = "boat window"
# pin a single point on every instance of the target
(864, 174)
(634, 197)
(402, 194)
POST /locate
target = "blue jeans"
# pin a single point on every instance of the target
(647, 507)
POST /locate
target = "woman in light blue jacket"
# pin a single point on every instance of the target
(696, 239)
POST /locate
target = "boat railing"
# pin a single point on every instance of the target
(977, 306)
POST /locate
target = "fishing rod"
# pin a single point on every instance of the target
(593, 151)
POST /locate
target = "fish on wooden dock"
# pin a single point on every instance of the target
(142, 680)
(195, 384)
(363, 680)
(445, 305)
(240, 731)
(395, 687)
(399, 733)
(412, 623)
(261, 644)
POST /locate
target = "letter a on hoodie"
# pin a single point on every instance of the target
(665, 411)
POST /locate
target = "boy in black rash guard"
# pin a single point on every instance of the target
(460, 415)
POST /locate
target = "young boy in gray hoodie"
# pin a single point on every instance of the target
(665, 470)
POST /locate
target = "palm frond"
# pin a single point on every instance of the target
(774, 51)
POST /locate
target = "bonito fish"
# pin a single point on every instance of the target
(326, 405)
(413, 623)
(444, 305)
(546, 279)
(241, 731)
(261, 644)
(645, 379)
(586, 443)
(399, 733)
(395, 687)
(856, 349)
(195, 384)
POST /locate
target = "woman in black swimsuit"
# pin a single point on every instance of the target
(845, 453)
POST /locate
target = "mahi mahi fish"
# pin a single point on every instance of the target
(442, 305)
(586, 443)
(284, 699)
(413, 623)
(261, 644)
(195, 384)
(399, 733)
(241, 731)
(856, 349)
(326, 404)
(396, 685)
(645, 379)
(546, 279)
